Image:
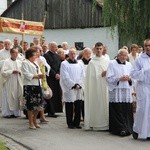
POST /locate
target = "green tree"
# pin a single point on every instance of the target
(131, 16)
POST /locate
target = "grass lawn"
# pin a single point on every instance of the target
(2, 146)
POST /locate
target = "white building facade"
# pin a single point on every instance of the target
(89, 36)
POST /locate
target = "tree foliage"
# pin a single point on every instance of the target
(131, 16)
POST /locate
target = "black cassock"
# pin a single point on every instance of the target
(55, 104)
(120, 118)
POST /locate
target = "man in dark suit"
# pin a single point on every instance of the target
(52, 58)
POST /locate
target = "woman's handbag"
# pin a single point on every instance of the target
(47, 94)
(46, 90)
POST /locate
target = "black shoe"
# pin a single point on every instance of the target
(52, 115)
(13, 116)
(78, 127)
(148, 138)
(71, 127)
(135, 135)
(123, 133)
(6, 116)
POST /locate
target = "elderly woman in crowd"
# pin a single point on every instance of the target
(32, 87)
(41, 61)
(133, 53)
(61, 54)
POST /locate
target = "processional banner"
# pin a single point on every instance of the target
(9, 25)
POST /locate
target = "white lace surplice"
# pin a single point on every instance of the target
(119, 91)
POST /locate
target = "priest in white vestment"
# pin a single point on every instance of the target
(141, 73)
(12, 88)
(4, 54)
(120, 95)
(71, 81)
(96, 92)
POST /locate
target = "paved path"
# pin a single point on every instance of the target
(56, 136)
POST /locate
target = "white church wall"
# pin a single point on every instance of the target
(89, 36)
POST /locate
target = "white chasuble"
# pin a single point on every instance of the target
(12, 85)
(96, 95)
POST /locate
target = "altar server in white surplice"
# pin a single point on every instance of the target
(120, 99)
(96, 92)
(12, 85)
(71, 81)
(141, 73)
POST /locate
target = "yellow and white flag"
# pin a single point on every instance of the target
(8, 25)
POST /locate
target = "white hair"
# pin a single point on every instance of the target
(53, 43)
(123, 50)
(64, 43)
(7, 40)
(124, 47)
(87, 49)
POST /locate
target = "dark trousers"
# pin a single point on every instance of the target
(56, 99)
(82, 109)
(73, 113)
(50, 107)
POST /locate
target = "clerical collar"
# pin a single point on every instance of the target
(72, 61)
(13, 59)
(119, 62)
(148, 54)
(85, 61)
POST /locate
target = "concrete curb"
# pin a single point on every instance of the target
(12, 144)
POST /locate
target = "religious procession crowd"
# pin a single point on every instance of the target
(109, 95)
